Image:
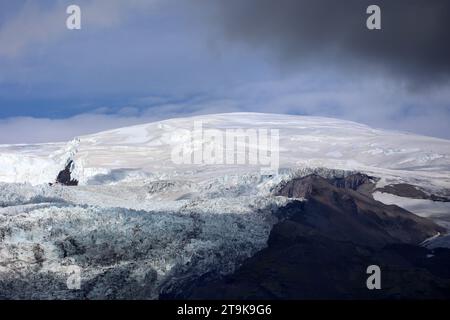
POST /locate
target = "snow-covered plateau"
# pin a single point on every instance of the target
(138, 224)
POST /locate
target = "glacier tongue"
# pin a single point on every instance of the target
(127, 241)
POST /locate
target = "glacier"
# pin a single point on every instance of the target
(138, 224)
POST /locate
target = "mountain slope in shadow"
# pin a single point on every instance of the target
(321, 248)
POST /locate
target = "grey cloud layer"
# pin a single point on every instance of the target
(413, 43)
(202, 57)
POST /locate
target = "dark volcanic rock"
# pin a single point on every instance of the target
(410, 191)
(64, 176)
(345, 214)
(359, 182)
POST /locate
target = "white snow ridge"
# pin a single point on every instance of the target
(145, 224)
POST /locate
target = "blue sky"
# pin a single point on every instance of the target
(138, 61)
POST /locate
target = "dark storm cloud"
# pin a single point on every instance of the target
(414, 41)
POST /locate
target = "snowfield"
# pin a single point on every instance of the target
(144, 151)
(137, 215)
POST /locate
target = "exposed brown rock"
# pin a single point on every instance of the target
(345, 214)
(410, 191)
